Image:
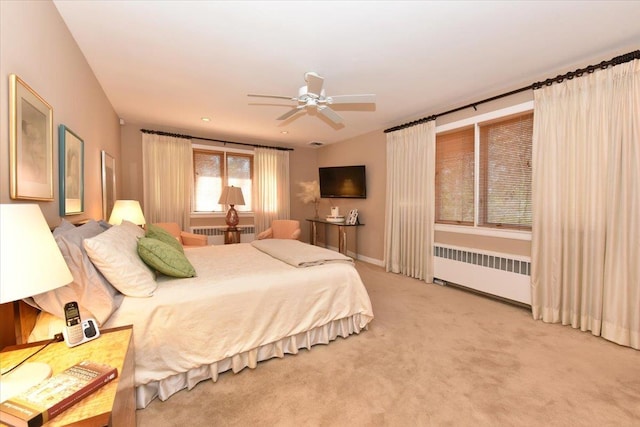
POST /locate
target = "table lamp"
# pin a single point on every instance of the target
(231, 196)
(129, 210)
(31, 264)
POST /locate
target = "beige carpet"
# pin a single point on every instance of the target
(433, 356)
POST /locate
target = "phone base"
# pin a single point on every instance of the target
(89, 332)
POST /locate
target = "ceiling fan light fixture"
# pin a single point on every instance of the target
(313, 96)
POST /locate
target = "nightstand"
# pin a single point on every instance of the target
(231, 236)
(113, 404)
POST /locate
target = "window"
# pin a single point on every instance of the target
(483, 172)
(213, 170)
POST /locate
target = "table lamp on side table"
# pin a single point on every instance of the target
(31, 263)
(128, 210)
(231, 196)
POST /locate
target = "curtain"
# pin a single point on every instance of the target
(167, 167)
(586, 204)
(409, 215)
(271, 185)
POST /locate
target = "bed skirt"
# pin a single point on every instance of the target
(165, 388)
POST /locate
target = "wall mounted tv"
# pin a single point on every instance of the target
(348, 182)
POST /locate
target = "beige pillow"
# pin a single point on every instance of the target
(115, 254)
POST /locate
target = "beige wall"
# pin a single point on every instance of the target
(36, 45)
(369, 150)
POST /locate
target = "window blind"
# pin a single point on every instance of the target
(505, 172)
(455, 177)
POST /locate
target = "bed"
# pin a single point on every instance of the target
(248, 302)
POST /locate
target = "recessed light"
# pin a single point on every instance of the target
(284, 132)
(205, 119)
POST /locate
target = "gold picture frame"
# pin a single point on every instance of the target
(30, 143)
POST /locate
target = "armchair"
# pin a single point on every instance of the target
(185, 238)
(282, 229)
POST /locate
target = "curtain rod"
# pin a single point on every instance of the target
(177, 135)
(627, 57)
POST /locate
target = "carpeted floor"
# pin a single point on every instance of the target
(433, 356)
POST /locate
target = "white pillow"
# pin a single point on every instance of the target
(115, 254)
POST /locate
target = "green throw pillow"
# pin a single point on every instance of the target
(164, 258)
(159, 233)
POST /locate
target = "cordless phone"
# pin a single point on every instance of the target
(77, 331)
(73, 323)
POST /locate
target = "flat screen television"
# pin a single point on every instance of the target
(348, 182)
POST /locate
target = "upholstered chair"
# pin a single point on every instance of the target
(187, 239)
(282, 229)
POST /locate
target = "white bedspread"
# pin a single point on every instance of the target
(299, 254)
(241, 299)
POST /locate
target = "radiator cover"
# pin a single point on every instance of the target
(215, 234)
(503, 275)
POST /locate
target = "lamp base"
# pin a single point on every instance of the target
(232, 218)
(22, 378)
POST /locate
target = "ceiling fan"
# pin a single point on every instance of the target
(313, 96)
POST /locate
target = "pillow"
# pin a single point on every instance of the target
(63, 227)
(164, 258)
(115, 254)
(159, 233)
(95, 295)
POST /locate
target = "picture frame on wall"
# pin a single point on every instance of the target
(30, 143)
(108, 184)
(71, 159)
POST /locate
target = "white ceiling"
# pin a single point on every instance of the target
(169, 63)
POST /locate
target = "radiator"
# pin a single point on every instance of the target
(215, 234)
(503, 275)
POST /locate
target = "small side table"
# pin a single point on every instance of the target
(231, 236)
(115, 403)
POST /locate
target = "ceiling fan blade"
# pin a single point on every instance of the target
(273, 96)
(290, 113)
(314, 83)
(352, 99)
(330, 114)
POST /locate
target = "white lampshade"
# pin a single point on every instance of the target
(129, 210)
(30, 258)
(231, 196)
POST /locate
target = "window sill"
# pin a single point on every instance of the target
(482, 231)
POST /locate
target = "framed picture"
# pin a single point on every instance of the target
(30, 143)
(71, 172)
(352, 219)
(108, 184)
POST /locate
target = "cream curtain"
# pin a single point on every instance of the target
(409, 215)
(167, 164)
(586, 204)
(271, 187)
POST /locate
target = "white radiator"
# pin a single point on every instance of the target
(503, 275)
(215, 234)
